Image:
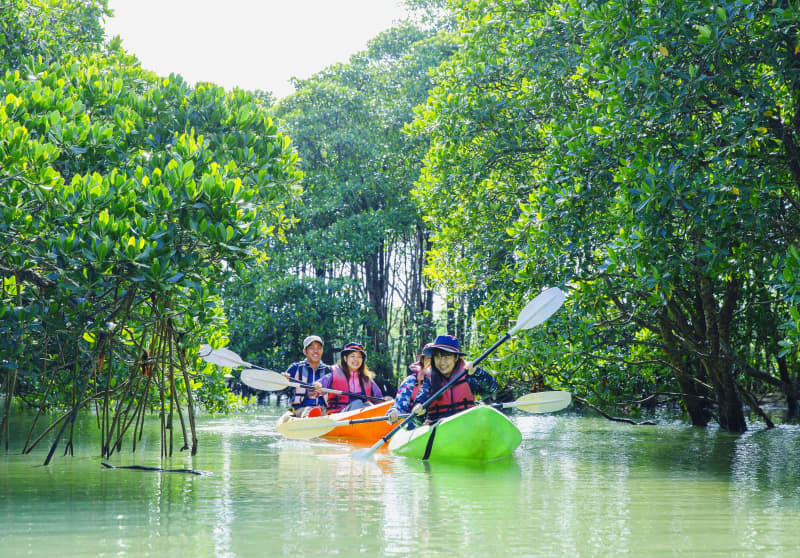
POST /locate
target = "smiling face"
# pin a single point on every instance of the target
(445, 362)
(354, 360)
(313, 353)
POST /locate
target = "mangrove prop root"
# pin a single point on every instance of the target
(154, 469)
(609, 417)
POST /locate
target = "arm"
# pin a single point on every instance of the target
(326, 380)
(481, 382)
(290, 373)
(402, 401)
(423, 395)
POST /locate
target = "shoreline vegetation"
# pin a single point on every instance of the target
(644, 162)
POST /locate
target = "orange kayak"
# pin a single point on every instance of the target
(364, 431)
(310, 427)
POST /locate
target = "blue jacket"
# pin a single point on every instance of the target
(302, 372)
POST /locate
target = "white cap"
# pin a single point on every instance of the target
(310, 339)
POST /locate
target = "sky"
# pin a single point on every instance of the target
(251, 44)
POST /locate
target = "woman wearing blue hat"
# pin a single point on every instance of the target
(351, 375)
(446, 362)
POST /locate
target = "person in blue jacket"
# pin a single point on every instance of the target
(307, 402)
(407, 392)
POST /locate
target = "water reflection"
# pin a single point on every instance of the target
(576, 486)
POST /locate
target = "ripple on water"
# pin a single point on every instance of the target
(576, 486)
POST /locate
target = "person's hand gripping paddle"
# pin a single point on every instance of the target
(534, 313)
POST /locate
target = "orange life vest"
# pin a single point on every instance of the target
(339, 382)
(456, 398)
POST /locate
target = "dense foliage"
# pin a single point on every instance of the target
(126, 201)
(351, 268)
(642, 154)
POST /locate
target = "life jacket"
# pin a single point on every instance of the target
(456, 398)
(307, 375)
(340, 382)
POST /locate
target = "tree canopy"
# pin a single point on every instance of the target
(641, 154)
(127, 200)
(354, 254)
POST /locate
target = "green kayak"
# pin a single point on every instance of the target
(480, 433)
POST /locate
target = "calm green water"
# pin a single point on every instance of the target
(578, 486)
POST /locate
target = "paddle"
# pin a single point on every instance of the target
(541, 402)
(267, 380)
(534, 313)
(313, 427)
(224, 357)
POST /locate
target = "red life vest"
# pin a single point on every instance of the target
(457, 398)
(339, 382)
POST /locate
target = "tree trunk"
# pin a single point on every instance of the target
(376, 274)
(717, 363)
(451, 317)
(686, 373)
(789, 390)
(731, 412)
(697, 325)
(696, 403)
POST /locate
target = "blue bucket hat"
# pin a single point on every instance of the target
(443, 343)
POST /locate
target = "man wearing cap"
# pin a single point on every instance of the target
(309, 370)
(446, 364)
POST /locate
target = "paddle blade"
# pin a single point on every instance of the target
(304, 428)
(539, 309)
(542, 402)
(265, 380)
(221, 357)
(367, 453)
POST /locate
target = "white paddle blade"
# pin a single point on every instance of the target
(304, 428)
(539, 309)
(367, 453)
(230, 356)
(210, 355)
(265, 380)
(542, 402)
(221, 357)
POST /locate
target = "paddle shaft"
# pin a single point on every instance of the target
(336, 423)
(267, 380)
(441, 390)
(336, 391)
(359, 421)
